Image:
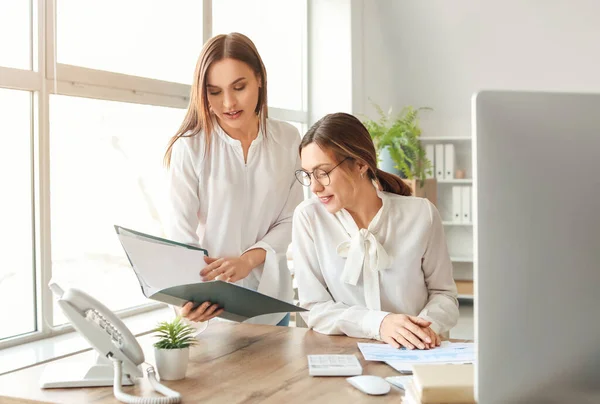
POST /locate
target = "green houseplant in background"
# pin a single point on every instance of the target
(399, 136)
(399, 149)
(171, 351)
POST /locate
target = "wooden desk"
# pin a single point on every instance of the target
(232, 363)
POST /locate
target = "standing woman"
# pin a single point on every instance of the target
(231, 176)
(371, 261)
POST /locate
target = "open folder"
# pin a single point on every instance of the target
(170, 272)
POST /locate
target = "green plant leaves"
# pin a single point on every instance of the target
(402, 135)
(174, 335)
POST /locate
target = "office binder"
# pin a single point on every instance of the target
(456, 204)
(449, 161)
(439, 162)
(466, 204)
(430, 154)
(169, 272)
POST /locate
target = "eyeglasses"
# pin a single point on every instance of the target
(320, 175)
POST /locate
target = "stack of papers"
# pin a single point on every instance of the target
(403, 359)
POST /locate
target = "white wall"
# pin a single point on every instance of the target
(437, 53)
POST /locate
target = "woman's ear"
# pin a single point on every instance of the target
(362, 167)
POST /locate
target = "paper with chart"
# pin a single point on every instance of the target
(448, 352)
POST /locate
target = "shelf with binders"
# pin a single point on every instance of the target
(459, 238)
(454, 202)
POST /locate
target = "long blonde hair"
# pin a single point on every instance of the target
(198, 116)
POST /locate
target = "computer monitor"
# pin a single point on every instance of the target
(537, 247)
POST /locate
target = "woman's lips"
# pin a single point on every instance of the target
(233, 114)
(325, 199)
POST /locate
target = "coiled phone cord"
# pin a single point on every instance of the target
(173, 397)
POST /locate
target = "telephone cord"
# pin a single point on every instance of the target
(173, 397)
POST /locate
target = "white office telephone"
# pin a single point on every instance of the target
(119, 354)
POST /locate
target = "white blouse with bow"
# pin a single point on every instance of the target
(351, 278)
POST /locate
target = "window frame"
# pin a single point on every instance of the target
(47, 77)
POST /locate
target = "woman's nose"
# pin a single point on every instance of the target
(315, 186)
(229, 100)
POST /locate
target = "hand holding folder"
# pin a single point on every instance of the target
(169, 272)
(228, 269)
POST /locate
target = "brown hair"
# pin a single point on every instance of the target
(198, 117)
(345, 136)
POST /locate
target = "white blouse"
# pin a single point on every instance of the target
(351, 278)
(229, 206)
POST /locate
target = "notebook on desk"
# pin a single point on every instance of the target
(169, 272)
(441, 384)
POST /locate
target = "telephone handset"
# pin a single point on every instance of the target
(113, 341)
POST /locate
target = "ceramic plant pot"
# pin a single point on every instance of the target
(171, 364)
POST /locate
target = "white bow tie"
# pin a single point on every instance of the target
(364, 254)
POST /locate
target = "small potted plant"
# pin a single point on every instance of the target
(172, 350)
(399, 149)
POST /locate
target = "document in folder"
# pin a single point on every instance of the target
(169, 272)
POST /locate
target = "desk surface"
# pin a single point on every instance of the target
(232, 363)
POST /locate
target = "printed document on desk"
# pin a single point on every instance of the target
(446, 353)
(169, 272)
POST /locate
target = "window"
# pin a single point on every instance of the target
(159, 39)
(282, 53)
(17, 287)
(15, 34)
(300, 126)
(93, 91)
(106, 169)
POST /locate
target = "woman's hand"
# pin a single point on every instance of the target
(435, 339)
(204, 312)
(226, 269)
(407, 331)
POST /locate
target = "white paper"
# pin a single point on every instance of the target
(407, 368)
(400, 366)
(160, 266)
(399, 381)
(447, 352)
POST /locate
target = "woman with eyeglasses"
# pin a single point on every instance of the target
(231, 177)
(371, 261)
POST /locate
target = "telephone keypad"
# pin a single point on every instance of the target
(96, 317)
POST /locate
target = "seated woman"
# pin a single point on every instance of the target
(371, 261)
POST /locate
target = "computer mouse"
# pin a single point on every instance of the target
(369, 384)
